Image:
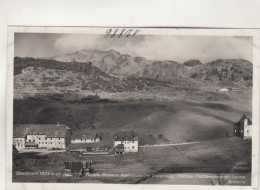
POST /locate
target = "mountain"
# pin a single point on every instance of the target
(192, 63)
(115, 63)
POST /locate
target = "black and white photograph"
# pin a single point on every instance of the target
(125, 106)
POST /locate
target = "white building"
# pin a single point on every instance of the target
(86, 138)
(247, 129)
(125, 141)
(243, 128)
(47, 136)
(224, 90)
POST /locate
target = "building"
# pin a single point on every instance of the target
(86, 138)
(224, 90)
(125, 141)
(243, 128)
(48, 136)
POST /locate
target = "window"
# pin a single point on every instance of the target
(235, 130)
(46, 143)
(59, 138)
(39, 138)
(133, 147)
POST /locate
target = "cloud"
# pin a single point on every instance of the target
(177, 48)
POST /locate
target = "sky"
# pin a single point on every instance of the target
(152, 47)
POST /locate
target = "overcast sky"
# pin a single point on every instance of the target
(176, 48)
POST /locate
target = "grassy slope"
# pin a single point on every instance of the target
(155, 122)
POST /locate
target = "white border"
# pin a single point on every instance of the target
(145, 31)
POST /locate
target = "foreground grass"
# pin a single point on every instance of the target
(218, 156)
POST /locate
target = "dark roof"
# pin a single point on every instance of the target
(30, 144)
(119, 148)
(125, 136)
(50, 130)
(242, 118)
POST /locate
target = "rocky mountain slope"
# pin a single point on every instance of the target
(115, 63)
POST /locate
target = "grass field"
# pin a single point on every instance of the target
(217, 156)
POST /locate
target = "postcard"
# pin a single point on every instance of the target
(94, 107)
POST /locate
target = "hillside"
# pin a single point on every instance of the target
(231, 72)
(40, 76)
(159, 79)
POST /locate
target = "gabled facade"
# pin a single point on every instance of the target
(243, 128)
(47, 136)
(126, 141)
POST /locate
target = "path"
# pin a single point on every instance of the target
(173, 144)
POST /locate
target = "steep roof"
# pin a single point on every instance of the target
(125, 136)
(242, 118)
(50, 130)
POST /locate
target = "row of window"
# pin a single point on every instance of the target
(127, 142)
(46, 143)
(17, 140)
(40, 139)
(128, 147)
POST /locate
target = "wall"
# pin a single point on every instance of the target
(247, 130)
(83, 141)
(19, 143)
(56, 143)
